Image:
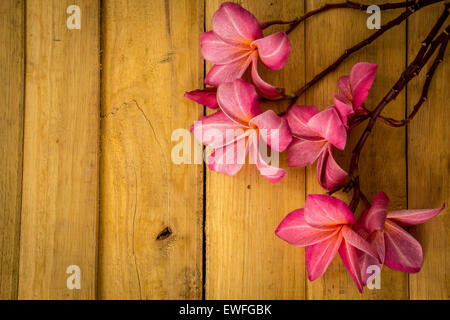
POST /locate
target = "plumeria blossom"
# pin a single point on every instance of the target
(315, 133)
(353, 90)
(323, 226)
(239, 127)
(382, 228)
(236, 42)
(205, 97)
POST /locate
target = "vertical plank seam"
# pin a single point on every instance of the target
(99, 143)
(305, 170)
(24, 61)
(204, 182)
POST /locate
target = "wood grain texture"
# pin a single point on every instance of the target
(60, 174)
(428, 165)
(151, 56)
(382, 163)
(12, 33)
(244, 258)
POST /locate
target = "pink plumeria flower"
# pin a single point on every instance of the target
(396, 248)
(236, 128)
(353, 90)
(323, 226)
(205, 97)
(237, 41)
(315, 133)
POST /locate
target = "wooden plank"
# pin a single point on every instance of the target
(428, 165)
(60, 174)
(244, 259)
(151, 56)
(11, 141)
(382, 164)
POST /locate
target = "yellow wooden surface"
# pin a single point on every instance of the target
(382, 164)
(151, 55)
(60, 173)
(11, 140)
(428, 167)
(244, 258)
(87, 129)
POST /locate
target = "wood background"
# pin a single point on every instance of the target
(86, 176)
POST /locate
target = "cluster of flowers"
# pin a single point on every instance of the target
(240, 126)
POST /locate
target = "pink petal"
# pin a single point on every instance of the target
(227, 72)
(217, 51)
(413, 217)
(344, 89)
(267, 90)
(229, 159)
(271, 173)
(376, 216)
(319, 256)
(216, 130)
(350, 259)
(298, 117)
(239, 101)
(206, 97)
(329, 173)
(328, 125)
(235, 25)
(323, 211)
(302, 152)
(294, 230)
(403, 252)
(354, 239)
(273, 129)
(361, 80)
(376, 240)
(274, 50)
(344, 109)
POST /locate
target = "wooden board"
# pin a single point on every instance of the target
(151, 55)
(244, 259)
(60, 169)
(12, 33)
(382, 164)
(428, 165)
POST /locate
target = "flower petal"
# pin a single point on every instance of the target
(230, 158)
(273, 129)
(274, 50)
(217, 51)
(351, 262)
(354, 239)
(413, 217)
(319, 256)
(323, 211)
(328, 125)
(216, 130)
(344, 109)
(239, 101)
(298, 117)
(376, 240)
(329, 173)
(344, 88)
(221, 73)
(235, 25)
(205, 97)
(271, 173)
(403, 252)
(302, 152)
(267, 90)
(376, 216)
(294, 230)
(361, 80)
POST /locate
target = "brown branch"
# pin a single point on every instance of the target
(413, 69)
(399, 19)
